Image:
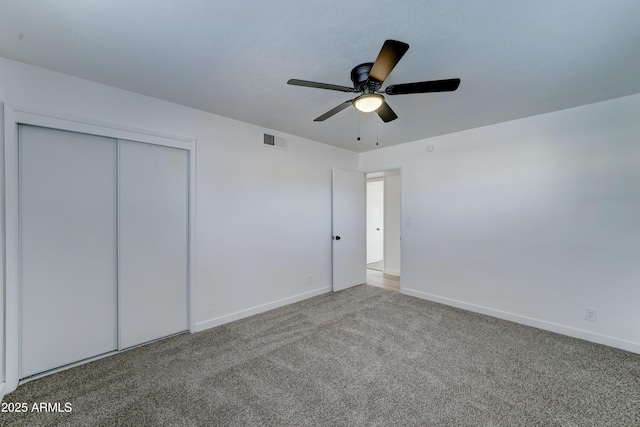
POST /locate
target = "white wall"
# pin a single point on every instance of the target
(392, 222)
(531, 220)
(263, 214)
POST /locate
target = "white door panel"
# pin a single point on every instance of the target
(68, 247)
(375, 221)
(349, 231)
(153, 241)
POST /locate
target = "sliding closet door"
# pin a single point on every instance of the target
(153, 241)
(68, 247)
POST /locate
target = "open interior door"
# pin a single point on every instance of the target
(349, 229)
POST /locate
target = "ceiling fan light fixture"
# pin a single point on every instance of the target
(368, 102)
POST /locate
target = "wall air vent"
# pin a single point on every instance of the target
(275, 141)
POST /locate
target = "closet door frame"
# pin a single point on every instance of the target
(15, 116)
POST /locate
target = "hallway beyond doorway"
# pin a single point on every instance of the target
(379, 265)
(381, 280)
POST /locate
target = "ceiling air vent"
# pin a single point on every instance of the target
(275, 141)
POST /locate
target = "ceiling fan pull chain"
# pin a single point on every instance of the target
(358, 114)
(376, 133)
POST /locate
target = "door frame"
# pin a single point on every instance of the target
(402, 210)
(367, 181)
(13, 116)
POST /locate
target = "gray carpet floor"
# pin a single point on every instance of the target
(361, 357)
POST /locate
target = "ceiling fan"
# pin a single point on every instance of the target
(368, 78)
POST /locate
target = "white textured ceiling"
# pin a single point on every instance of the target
(516, 58)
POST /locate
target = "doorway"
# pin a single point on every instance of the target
(375, 224)
(384, 225)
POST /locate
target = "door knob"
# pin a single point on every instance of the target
(336, 238)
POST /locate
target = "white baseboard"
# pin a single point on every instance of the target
(524, 320)
(392, 272)
(217, 321)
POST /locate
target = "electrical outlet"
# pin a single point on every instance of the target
(310, 279)
(590, 314)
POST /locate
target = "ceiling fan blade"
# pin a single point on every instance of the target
(386, 113)
(423, 87)
(306, 83)
(390, 54)
(336, 110)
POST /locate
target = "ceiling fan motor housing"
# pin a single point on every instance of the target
(361, 80)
